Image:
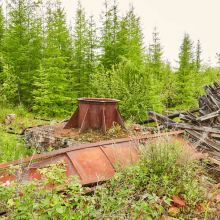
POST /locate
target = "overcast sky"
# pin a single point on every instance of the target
(199, 18)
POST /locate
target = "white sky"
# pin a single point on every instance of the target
(199, 18)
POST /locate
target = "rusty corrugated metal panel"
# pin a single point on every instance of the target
(90, 162)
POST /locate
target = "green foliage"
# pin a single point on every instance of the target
(171, 168)
(2, 33)
(186, 71)
(9, 87)
(127, 83)
(51, 93)
(45, 64)
(21, 45)
(109, 30)
(141, 190)
(13, 147)
(198, 56)
(83, 45)
(130, 38)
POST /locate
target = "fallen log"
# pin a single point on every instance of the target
(160, 118)
(43, 119)
(169, 116)
(11, 132)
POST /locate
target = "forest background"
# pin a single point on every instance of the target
(47, 63)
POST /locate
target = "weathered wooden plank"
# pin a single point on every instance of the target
(204, 139)
(169, 116)
(170, 123)
(208, 116)
(160, 118)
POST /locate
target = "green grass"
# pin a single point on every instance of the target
(12, 146)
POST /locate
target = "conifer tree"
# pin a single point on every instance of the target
(198, 55)
(34, 47)
(156, 52)
(92, 39)
(21, 46)
(91, 56)
(2, 32)
(81, 46)
(109, 32)
(52, 86)
(130, 37)
(186, 71)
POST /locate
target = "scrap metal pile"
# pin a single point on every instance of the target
(203, 128)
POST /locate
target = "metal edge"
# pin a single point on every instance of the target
(64, 150)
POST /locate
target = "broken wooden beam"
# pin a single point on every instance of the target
(172, 124)
(160, 118)
(206, 117)
(169, 116)
(204, 139)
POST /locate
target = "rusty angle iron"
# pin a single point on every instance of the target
(95, 113)
(92, 162)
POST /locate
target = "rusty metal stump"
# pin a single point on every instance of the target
(95, 113)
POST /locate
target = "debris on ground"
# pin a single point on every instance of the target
(202, 127)
(9, 118)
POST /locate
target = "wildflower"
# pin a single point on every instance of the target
(7, 183)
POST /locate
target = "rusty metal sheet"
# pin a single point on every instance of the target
(29, 172)
(90, 162)
(124, 154)
(64, 150)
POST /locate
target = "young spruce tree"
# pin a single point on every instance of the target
(109, 32)
(186, 72)
(51, 93)
(130, 37)
(81, 51)
(21, 47)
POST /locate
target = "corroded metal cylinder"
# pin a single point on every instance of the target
(95, 113)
